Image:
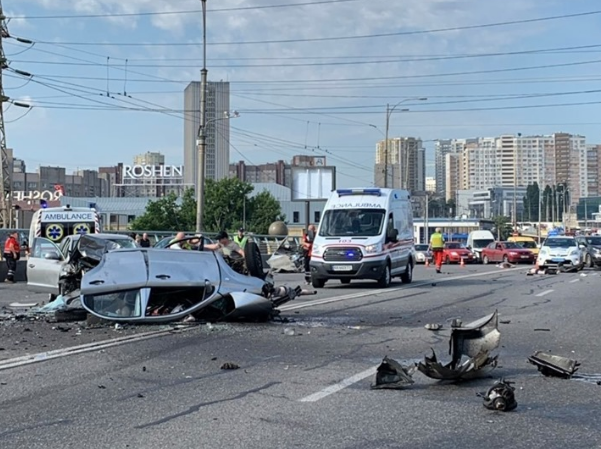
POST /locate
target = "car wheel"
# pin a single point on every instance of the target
(317, 283)
(589, 261)
(485, 260)
(407, 276)
(345, 281)
(254, 260)
(384, 281)
(505, 259)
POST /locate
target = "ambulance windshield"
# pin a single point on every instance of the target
(352, 222)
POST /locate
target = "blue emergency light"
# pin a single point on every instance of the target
(347, 192)
(43, 204)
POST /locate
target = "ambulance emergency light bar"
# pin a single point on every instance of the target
(349, 192)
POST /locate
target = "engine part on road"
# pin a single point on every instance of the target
(554, 365)
(470, 348)
(500, 397)
(392, 375)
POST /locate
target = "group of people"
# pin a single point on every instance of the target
(141, 240)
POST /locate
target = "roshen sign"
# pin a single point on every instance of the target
(152, 171)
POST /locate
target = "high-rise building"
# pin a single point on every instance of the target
(405, 164)
(430, 185)
(453, 175)
(149, 158)
(441, 149)
(217, 156)
(593, 167)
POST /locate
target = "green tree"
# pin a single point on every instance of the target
(502, 227)
(160, 215)
(531, 203)
(225, 202)
(187, 211)
(263, 209)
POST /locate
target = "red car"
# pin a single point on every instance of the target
(455, 251)
(510, 252)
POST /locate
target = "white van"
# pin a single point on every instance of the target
(55, 223)
(477, 241)
(364, 233)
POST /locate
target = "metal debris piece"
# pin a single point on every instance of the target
(433, 327)
(500, 397)
(554, 365)
(229, 365)
(393, 376)
(470, 348)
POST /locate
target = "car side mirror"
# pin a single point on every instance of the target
(52, 255)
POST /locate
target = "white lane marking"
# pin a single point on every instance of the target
(88, 347)
(319, 302)
(574, 280)
(340, 385)
(546, 292)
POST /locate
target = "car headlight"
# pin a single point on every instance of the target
(597, 251)
(316, 250)
(453, 253)
(513, 253)
(543, 252)
(574, 252)
(375, 248)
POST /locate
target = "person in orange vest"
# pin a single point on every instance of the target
(437, 247)
(307, 246)
(12, 253)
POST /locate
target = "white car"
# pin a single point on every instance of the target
(560, 252)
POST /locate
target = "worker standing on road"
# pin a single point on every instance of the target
(241, 239)
(437, 246)
(307, 247)
(12, 253)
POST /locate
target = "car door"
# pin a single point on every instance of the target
(44, 266)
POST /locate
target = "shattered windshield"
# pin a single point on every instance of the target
(352, 222)
(560, 243)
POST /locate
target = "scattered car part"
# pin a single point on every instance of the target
(393, 376)
(433, 326)
(230, 366)
(470, 348)
(287, 258)
(500, 397)
(554, 365)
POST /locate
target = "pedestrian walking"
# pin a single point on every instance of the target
(12, 253)
(437, 247)
(307, 247)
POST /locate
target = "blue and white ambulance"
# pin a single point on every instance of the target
(364, 233)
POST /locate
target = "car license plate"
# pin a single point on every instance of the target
(342, 268)
(525, 257)
(557, 259)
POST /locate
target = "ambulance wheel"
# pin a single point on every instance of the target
(317, 283)
(384, 281)
(407, 276)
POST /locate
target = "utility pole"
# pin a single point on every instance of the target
(6, 171)
(202, 136)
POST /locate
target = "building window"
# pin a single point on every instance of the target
(317, 216)
(295, 217)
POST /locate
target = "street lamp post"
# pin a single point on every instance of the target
(202, 138)
(389, 112)
(201, 143)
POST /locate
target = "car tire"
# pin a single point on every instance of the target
(345, 281)
(386, 278)
(589, 261)
(485, 260)
(317, 282)
(407, 276)
(254, 260)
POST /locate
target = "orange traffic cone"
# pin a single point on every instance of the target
(462, 263)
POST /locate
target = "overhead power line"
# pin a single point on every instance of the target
(331, 38)
(180, 12)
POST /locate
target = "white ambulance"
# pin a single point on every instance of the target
(364, 233)
(55, 223)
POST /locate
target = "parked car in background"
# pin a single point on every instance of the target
(526, 243)
(477, 241)
(510, 252)
(455, 251)
(591, 246)
(561, 251)
(422, 253)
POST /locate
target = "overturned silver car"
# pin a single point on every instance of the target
(161, 285)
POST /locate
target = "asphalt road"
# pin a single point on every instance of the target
(312, 388)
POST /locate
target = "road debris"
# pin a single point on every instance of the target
(500, 397)
(470, 347)
(393, 376)
(505, 265)
(229, 366)
(433, 327)
(554, 365)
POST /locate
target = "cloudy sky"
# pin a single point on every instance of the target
(307, 76)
